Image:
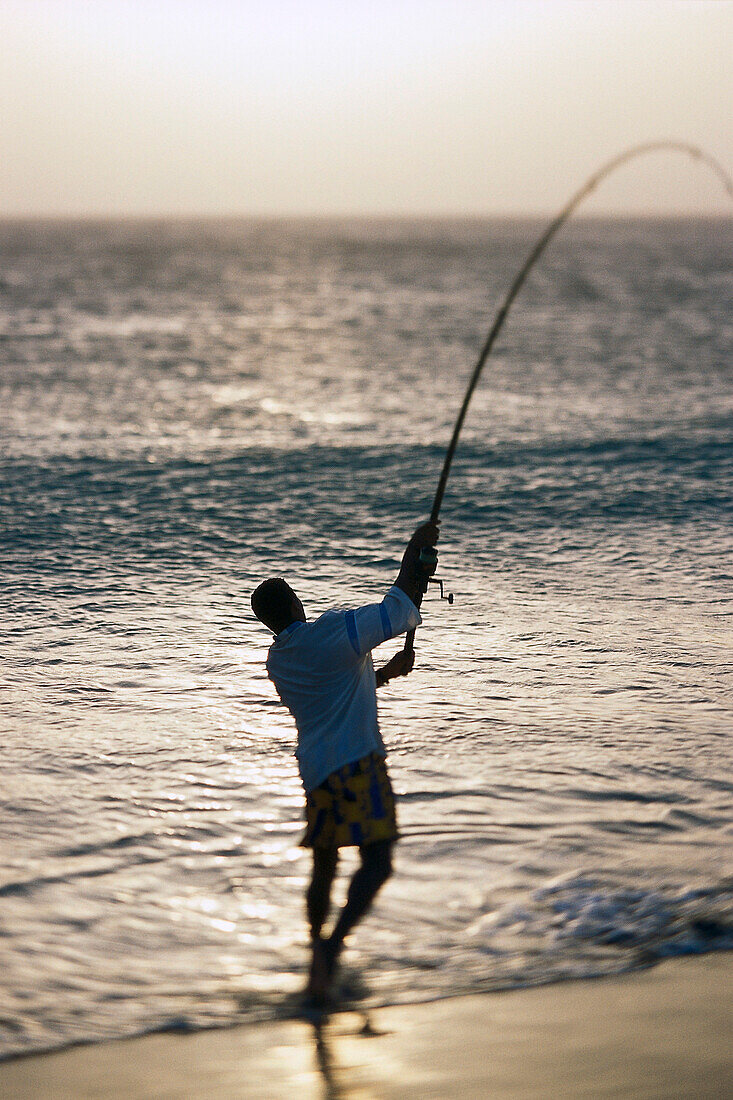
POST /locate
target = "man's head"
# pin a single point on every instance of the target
(276, 605)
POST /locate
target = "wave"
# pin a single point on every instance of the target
(574, 927)
(170, 508)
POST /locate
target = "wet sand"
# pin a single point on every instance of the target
(666, 1032)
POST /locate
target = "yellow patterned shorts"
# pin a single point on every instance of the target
(354, 806)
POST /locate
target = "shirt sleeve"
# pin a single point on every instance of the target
(369, 626)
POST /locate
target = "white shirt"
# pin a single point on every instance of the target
(324, 675)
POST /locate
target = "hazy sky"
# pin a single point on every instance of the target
(341, 106)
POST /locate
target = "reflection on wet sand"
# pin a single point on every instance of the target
(340, 1080)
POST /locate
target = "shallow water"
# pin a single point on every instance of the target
(188, 407)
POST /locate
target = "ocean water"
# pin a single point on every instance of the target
(187, 407)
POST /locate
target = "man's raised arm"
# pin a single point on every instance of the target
(411, 581)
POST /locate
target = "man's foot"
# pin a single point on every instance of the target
(319, 978)
(323, 966)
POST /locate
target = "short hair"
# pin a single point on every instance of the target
(272, 603)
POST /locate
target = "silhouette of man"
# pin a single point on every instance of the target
(324, 675)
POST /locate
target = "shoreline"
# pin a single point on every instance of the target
(655, 1033)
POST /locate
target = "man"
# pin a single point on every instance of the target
(324, 675)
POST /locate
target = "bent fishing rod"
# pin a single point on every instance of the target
(428, 558)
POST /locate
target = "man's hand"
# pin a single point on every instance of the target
(412, 579)
(427, 534)
(400, 665)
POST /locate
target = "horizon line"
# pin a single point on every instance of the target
(365, 215)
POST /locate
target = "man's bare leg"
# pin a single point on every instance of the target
(318, 903)
(375, 869)
(318, 897)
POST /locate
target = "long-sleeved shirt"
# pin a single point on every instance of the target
(324, 675)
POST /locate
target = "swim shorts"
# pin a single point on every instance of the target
(353, 806)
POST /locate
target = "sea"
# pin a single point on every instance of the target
(188, 407)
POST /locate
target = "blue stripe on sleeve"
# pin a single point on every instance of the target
(350, 619)
(386, 624)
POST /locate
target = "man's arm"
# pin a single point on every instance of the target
(367, 627)
(411, 580)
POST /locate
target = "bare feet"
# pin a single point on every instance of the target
(319, 978)
(323, 965)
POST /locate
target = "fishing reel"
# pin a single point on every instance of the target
(428, 562)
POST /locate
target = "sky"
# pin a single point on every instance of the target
(269, 107)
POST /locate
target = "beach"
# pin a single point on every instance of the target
(664, 1032)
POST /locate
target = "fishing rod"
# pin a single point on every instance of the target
(428, 558)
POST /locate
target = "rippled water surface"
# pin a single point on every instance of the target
(188, 407)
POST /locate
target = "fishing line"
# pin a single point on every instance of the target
(555, 225)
